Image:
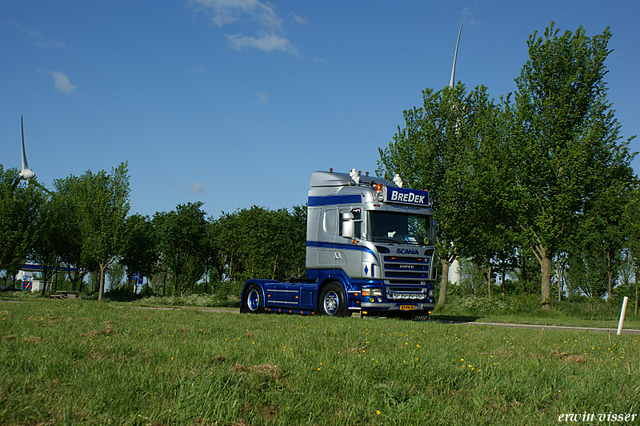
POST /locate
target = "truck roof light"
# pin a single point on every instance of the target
(379, 194)
(331, 170)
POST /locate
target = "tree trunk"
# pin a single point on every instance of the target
(72, 279)
(637, 276)
(275, 265)
(524, 275)
(44, 287)
(545, 269)
(443, 282)
(560, 283)
(609, 275)
(101, 285)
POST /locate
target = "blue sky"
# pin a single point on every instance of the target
(236, 102)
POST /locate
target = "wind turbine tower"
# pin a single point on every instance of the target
(25, 172)
(455, 57)
(454, 269)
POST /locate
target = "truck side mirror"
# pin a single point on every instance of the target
(348, 225)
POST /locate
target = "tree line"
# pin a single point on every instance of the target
(541, 173)
(84, 227)
(536, 188)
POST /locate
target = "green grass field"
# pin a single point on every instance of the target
(83, 362)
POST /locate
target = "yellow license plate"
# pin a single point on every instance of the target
(407, 307)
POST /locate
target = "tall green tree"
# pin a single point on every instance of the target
(101, 205)
(631, 219)
(69, 234)
(603, 232)
(489, 237)
(46, 249)
(181, 237)
(19, 206)
(140, 253)
(296, 245)
(564, 139)
(260, 243)
(116, 274)
(229, 255)
(435, 151)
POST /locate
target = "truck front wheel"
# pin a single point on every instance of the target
(252, 300)
(333, 301)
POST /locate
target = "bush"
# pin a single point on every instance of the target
(120, 295)
(477, 306)
(575, 307)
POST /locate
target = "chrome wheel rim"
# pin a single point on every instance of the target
(331, 303)
(253, 300)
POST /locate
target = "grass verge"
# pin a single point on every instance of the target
(83, 362)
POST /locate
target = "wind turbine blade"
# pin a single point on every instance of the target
(455, 56)
(25, 165)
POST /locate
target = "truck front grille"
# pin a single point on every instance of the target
(406, 270)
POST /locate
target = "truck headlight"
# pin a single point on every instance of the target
(372, 292)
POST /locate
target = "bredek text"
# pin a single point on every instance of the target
(407, 197)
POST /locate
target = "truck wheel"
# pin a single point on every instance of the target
(253, 300)
(333, 301)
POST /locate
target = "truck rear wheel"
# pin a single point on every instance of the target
(333, 301)
(252, 301)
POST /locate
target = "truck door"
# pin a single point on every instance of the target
(349, 257)
(327, 235)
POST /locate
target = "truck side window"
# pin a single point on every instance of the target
(330, 221)
(357, 218)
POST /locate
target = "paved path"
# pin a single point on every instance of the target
(479, 323)
(493, 324)
(544, 327)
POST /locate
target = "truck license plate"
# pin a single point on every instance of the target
(407, 307)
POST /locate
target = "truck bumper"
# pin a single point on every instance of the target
(392, 306)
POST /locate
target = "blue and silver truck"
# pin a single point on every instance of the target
(369, 250)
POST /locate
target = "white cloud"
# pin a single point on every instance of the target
(299, 19)
(261, 98)
(263, 14)
(268, 43)
(62, 84)
(197, 189)
(468, 16)
(41, 40)
(225, 12)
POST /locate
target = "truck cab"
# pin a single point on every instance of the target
(369, 250)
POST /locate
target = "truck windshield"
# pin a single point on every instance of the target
(398, 228)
